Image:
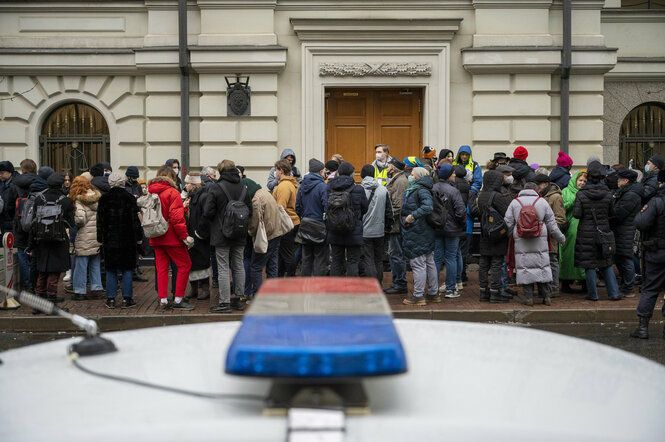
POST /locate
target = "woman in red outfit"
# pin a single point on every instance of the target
(174, 243)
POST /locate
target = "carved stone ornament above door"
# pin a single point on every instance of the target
(375, 69)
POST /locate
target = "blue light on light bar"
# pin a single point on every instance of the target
(316, 346)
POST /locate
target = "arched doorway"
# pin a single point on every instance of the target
(74, 137)
(642, 134)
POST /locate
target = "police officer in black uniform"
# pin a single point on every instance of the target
(651, 222)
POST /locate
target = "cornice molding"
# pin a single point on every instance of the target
(321, 29)
(74, 6)
(632, 16)
(345, 5)
(580, 4)
(512, 4)
(237, 4)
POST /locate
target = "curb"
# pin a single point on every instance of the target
(108, 323)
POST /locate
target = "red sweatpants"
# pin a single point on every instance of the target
(180, 256)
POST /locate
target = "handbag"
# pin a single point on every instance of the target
(261, 239)
(285, 220)
(604, 240)
(312, 231)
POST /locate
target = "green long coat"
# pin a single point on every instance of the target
(567, 269)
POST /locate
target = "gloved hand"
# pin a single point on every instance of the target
(189, 242)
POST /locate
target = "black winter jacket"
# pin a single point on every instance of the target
(52, 256)
(522, 170)
(456, 220)
(560, 176)
(21, 189)
(101, 183)
(589, 198)
(119, 229)
(212, 219)
(492, 183)
(200, 253)
(650, 186)
(360, 205)
(647, 221)
(627, 203)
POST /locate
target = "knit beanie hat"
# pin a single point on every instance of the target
(445, 170)
(521, 153)
(419, 172)
(193, 178)
(107, 166)
(397, 164)
(87, 176)
(332, 165)
(460, 171)
(591, 159)
(116, 179)
(428, 152)
(132, 172)
(412, 162)
(534, 166)
(596, 170)
(7, 166)
(628, 174)
(367, 170)
(55, 180)
(45, 172)
(658, 161)
(316, 166)
(541, 178)
(345, 169)
(97, 170)
(564, 160)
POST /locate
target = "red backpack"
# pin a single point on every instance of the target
(528, 222)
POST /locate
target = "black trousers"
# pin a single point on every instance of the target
(315, 259)
(653, 282)
(373, 257)
(287, 254)
(544, 289)
(490, 265)
(345, 258)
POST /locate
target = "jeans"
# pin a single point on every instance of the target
(373, 257)
(234, 254)
(87, 266)
(460, 260)
(315, 259)
(504, 275)
(626, 268)
(345, 258)
(424, 275)
(490, 265)
(112, 283)
(610, 283)
(258, 262)
(447, 248)
(397, 261)
(24, 270)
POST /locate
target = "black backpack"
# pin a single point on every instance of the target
(492, 224)
(437, 219)
(341, 218)
(236, 215)
(49, 224)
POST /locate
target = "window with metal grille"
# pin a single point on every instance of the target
(642, 134)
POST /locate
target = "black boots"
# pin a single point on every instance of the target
(193, 291)
(642, 330)
(497, 297)
(204, 293)
(484, 294)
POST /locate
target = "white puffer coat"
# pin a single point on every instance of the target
(85, 217)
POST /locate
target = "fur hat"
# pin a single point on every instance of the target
(116, 179)
(521, 153)
(193, 178)
(45, 172)
(132, 172)
(345, 169)
(55, 180)
(564, 160)
(367, 170)
(315, 166)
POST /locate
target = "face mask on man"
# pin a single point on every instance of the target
(509, 180)
(647, 169)
(412, 180)
(107, 173)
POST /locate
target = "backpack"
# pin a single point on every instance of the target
(340, 218)
(492, 224)
(49, 221)
(25, 211)
(528, 222)
(152, 220)
(437, 219)
(236, 215)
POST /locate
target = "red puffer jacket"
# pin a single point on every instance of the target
(172, 210)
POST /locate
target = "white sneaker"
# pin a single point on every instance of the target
(68, 276)
(459, 286)
(442, 289)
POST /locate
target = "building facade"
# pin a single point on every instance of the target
(82, 82)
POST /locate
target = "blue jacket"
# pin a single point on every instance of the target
(417, 237)
(312, 198)
(355, 238)
(560, 176)
(473, 166)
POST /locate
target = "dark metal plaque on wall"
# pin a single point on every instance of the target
(238, 98)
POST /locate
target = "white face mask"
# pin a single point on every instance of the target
(379, 157)
(509, 180)
(176, 170)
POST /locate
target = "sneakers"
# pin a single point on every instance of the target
(69, 288)
(183, 305)
(237, 304)
(459, 286)
(221, 308)
(163, 306)
(452, 294)
(68, 276)
(433, 299)
(413, 300)
(442, 289)
(392, 290)
(630, 294)
(110, 303)
(128, 303)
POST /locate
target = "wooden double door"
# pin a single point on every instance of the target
(359, 119)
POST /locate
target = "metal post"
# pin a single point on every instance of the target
(565, 75)
(183, 63)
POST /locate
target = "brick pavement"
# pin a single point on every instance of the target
(568, 307)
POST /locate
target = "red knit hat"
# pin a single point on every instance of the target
(564, 160)
(521, 153)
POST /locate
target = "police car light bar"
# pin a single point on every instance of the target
(317, 328)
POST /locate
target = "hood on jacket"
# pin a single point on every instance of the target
(90, 197)
(528, 192)
(286, 153)
(160, 183)
(596, 191)
(293, 180)
(101, 183)
(369, 183)
(572, 184)
(341, 182)
(521, 167)
(252, 186)
(230, 175)
(466, 149)
(310, 181)
(426, 182)
(493, 180)
(552, 189)
(38, 184)
(23, 181)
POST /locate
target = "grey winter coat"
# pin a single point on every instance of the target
(396, 187)
(295, 172)
(532, 259)
(379, 211)
(456, 220)
(85, 217)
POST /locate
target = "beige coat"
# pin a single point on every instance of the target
(85, 217)
(555, 200)
(264, 207)
(396, 188)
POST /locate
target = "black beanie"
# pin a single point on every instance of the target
(345, 169)
(315, 166)
(56, 180)
(332, 165)
(367, 170)
(97, 170)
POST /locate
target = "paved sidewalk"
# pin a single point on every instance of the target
(569, 307)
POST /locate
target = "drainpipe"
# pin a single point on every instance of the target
(183, 64)
(565, 75)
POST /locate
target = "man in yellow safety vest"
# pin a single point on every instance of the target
(381, 163)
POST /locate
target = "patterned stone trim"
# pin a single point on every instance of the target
(375, 69)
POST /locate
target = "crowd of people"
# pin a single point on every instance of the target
(538, 229)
